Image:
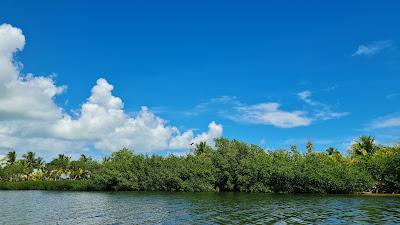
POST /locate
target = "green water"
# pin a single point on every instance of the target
(41, 207)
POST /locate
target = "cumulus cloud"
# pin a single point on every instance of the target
(214, 131)
(11, 41)
(99, 116)
(23, 97)
(103, 121)
(372, 48)
(270, 114)
(29, 117)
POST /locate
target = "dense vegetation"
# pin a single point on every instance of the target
(229, 166)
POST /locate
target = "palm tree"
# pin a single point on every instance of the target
(106, 159)
(40, 164)
(309, 147)
(62, 156)
(331, 151)
(11, 157)
(293, 148)
(364, 146)
(30, 158)
(38, 171)
(30, 161)
(59, 166)
(84, 158)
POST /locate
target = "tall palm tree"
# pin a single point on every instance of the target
(40, 164)
(293, 148)
(84, 158)
(63, 157)
(309, 147)
(30, 158)
(59, 166)
(364, 146)
(332, 150)
(11, 157)
(106, 159)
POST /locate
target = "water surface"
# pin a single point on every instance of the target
(46, 207)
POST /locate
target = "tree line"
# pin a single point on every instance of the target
(230, 165)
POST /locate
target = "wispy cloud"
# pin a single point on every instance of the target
(327, 114)
(392, 95)
(204, 106)
(267, 113)
(320, 110)
(372, 48)
(270, 114)
(264, 113)
(306, 97)
(331, 88)
(388, 121)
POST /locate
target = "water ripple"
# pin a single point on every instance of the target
(40, 207)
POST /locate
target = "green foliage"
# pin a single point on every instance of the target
(384, 165)
(61, 185)
(230, 166)
(332, 151)
(11, 157)
(293, 148)
(119, 172)
(364, 147)
(309, 146)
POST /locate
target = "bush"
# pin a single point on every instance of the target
(59, 185)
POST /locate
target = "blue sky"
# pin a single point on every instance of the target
(272, 74)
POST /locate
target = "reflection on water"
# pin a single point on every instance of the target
(39, 207)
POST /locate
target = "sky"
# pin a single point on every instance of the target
(157, 76)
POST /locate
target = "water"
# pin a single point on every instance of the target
(41, 207)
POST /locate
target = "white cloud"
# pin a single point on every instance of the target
(372, 48)
(320, 110)
(103, 121)
(388, 121)
(270, 114)
(267, 113)
(29, 117)
(23, 97)
(327, 114)
(214, 131)
(263, 113)
(186, 139)
(305, 96)
(11, 41)
(99, 116)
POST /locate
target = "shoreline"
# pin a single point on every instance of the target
(377, 194)
(89, 186)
